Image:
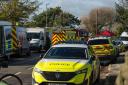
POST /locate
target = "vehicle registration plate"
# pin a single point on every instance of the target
(55, 84)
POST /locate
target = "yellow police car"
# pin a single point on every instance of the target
(103, 48)
(67, 64)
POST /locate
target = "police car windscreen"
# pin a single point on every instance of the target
(74, 42)
(33, 35)
(124, 38)
(98, 42)
(66, 53)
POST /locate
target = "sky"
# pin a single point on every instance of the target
(78, 8)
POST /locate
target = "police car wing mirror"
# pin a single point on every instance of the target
(41, 56)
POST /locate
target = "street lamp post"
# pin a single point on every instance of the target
(96, 21)
(62, 15)
(47, 14)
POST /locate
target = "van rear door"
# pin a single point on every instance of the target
(8, 40)
(1, 47)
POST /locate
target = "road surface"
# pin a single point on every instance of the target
(22, 67)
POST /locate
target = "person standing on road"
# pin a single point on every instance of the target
(122, 78)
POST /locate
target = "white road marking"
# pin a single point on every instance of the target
(30, 68)
(11, 76)
(18, 73)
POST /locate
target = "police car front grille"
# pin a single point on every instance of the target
(54, 83)
(58, 76)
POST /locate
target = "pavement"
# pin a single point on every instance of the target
(110, 72)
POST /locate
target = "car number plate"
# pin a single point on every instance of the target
(55, 84)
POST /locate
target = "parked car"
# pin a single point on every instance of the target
(124, 38)
(103, 48)
(67, 64)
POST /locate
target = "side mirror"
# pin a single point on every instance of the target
(42, 38)
(93, 57)
(28, 39)
(41, 56)
(114, 43)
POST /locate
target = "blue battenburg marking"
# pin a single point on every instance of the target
(9, 44)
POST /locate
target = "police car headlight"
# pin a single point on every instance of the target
(38, 70)
(81, 71)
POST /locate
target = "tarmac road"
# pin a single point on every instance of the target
(22, 67)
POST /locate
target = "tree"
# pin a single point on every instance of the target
(117, 28)
(17, 10)
(98, 18)
(55, 17)
(122, 12)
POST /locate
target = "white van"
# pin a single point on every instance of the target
(124, 38)
(37, 38)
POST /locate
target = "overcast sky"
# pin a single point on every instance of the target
(77, 7)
